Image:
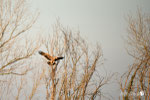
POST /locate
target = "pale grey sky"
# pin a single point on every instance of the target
(100, 21)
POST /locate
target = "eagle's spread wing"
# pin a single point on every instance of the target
(46, 55)
(58, 58)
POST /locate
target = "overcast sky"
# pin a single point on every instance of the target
(101, 21)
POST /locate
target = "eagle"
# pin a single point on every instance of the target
(52, 60)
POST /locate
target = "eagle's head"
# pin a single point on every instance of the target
(51, 62)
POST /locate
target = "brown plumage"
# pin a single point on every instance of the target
(50, 58)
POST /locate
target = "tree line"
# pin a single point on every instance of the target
(24, 74)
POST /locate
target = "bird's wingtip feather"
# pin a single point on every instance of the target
(40, 52)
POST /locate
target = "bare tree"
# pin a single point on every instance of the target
(76, 76)
(137, 80)
(16, 44)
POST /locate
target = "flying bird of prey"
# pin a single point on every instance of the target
(50, 58)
